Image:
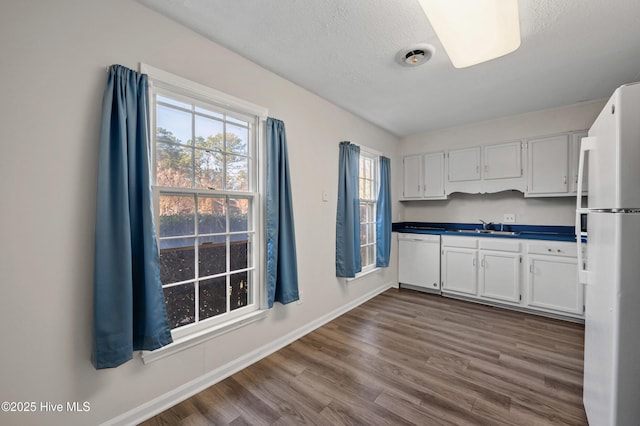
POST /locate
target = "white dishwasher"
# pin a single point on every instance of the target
(419, 261)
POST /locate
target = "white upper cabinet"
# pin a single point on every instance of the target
(490, 168)
(548, 164)
(423, 177)
(412, 188)
(464, 171)
(464, 164)
(574, 158)
(434, 175)
(503, 167)
(538, 167)
(503, 161)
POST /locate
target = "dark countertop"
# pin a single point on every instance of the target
(529, 232)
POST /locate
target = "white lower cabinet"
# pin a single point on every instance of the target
(539, 276)
(552, 279)
(459, 270)
(500, 276)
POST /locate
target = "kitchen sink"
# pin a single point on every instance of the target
(487, 231)
(500, 232)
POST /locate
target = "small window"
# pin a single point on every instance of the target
(368, 190)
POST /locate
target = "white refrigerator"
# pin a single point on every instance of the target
(611, 270)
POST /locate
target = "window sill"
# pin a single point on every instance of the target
(194, 339)
(364, 274)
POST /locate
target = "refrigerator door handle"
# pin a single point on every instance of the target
(587, 144)
(583, 273)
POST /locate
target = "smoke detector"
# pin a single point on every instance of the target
(415, 55)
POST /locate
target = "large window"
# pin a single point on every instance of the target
(207, 208)
(368, 190)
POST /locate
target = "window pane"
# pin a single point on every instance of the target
(371, 254)
(209, 112)
(371, 215)
(209, 133)
(237, 173)
(363, 256)
(363, 233)
(239, 251)
(173, 102)
(180, 303)
(239, 214)
(213, 297)
(365, 189)
(174, 166)
(212, 217)
(238, 121)
(371, 233)
(178, 123)
(239, 288)
(212, 255)
(177, 260)
(177, 215)
(363, 212)
(209, 169)
(237, 139)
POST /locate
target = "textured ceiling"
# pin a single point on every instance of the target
(344, 50)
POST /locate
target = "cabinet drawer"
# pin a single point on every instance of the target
(553, 248)
(499, 244)
(462, 242)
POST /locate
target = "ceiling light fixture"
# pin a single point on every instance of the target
(415, 55)
(474, 31)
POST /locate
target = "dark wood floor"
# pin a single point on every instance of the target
(407, 358)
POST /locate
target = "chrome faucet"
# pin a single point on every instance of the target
(485, 225)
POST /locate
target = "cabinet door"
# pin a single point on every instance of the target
(419, 262)
(434, 175)
(503, 161)
(500, 276)
(459, 271)
(553, 284)
(548, 161)
(412, 176)
(464, 164)
(574, 158)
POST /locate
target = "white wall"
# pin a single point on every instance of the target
(53, 73)
(491, 207)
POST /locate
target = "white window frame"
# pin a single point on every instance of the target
(164, 83)
(375, 156)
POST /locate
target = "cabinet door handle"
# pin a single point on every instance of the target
(482, 263)
(474, 261)
(531, 269)
(564, 179)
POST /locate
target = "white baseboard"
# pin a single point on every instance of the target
(179, 394)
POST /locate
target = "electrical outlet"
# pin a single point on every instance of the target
(509, 218)
(299, 302)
